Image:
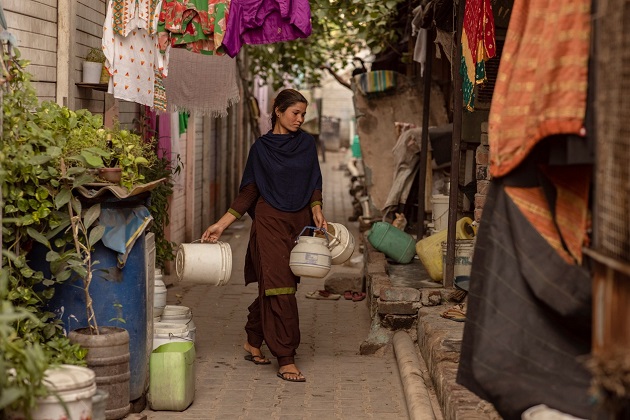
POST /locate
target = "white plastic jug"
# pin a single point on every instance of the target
(311, 256)
(341, 243)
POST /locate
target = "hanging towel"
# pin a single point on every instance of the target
(201, 83)
(375, 81)
(478, 45)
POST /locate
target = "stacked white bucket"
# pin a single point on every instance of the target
(159, 296)
(170, 322)
(176, 325)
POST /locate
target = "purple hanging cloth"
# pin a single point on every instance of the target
(265, 22)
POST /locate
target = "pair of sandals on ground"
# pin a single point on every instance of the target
(326, 295)
(258, 358)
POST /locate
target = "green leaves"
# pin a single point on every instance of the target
(38, 237)
(340, 30)
(96, 234)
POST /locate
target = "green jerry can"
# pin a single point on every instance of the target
(172, 376)
(393, 242)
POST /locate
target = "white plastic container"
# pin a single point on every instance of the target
(164, 333)
(464, 249)
(99, 402)
(341, 243)
(439, 211)
(74, 385)
(310, 257)
(159, 297)
(204, 263)
(174, 314)
(92, 72)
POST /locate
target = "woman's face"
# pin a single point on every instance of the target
(290, 120)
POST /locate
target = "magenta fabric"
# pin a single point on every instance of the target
(151, 120)
(265, 22)
(164, 133)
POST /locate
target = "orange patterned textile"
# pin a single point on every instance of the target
(564, 228)
(542, 82)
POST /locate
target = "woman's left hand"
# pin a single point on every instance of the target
(318, 217)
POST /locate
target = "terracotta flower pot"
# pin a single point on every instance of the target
(112, 175)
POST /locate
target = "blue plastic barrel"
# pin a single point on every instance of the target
(117, 294)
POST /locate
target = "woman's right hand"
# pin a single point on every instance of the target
(212, 234)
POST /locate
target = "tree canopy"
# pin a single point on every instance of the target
(341, 29)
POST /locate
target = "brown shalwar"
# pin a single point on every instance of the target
(273, 316)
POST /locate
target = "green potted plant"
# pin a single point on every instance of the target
(93, 66)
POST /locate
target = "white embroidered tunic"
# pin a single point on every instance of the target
(131, 60)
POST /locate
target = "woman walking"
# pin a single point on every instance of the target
(281, 189)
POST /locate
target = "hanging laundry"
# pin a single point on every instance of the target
(478, 46)
(128, 15)
(375, 82)
(201, 83)
(159, 99)
(164, 136)
(266, 22)
(131, 60)
(541, 88)
(197, 25)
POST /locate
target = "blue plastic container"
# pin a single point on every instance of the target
(116, 294)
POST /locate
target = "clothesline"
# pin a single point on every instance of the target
(177, 54)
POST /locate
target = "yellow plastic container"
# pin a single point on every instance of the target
(172, 376)
(429, 249)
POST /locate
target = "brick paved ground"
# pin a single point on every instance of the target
(340, 383)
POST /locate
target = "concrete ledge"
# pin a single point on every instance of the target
(439, 341)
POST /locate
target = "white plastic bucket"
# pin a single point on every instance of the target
(341, 243)
(204, 263)
(174, 314)
(159, 297)
(176, 310)
(463, 256)
(99, 402)
(92, 72)
(168, 333)
(74, 385)
(439, 211)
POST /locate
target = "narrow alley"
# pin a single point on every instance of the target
(341, 383)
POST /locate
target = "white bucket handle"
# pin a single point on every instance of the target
(171, 335)
(314, 228)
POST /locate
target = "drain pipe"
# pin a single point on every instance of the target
(416, 393)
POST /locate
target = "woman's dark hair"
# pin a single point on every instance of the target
(285, 99)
